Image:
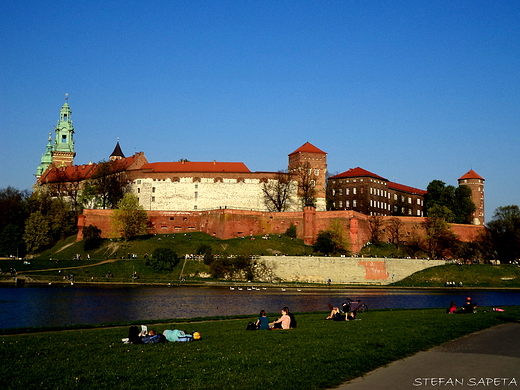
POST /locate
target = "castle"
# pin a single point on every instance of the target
(185, 195)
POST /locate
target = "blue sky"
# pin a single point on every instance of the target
(411, 90)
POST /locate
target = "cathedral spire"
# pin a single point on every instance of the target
(63, 151)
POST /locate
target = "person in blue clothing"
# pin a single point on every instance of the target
(263, 321)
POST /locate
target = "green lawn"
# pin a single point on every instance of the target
(318, 354)
(475, 275)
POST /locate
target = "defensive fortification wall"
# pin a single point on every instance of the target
(343, 270)
(226, 224)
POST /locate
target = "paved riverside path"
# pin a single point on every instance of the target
(488, 359)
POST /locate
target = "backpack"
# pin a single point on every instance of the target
(251, 326)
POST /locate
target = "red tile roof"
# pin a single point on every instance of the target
(193, 166)
(471, 174)
(403, 188)
(357, 172)
(82, 172)
(308, 148)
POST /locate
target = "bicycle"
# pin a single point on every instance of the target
(355, 307)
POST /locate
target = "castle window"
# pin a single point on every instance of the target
(196, 195)
(347, 191)
(195, 207)
(347, 203)
(354, 203)
(153, 189)
(64, 139)
(153, 198)
(138, 181)
(138, 190)
(340, 203)
(354, 191)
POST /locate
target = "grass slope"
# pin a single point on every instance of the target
(318, 354)
(475, 275)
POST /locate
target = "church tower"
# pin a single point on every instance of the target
(476, 183)
(314, 161)
(46, 160)
(63, 151)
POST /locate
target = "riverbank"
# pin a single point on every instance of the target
(315, 355)
(23, 280)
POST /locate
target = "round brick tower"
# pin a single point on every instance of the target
(476, 183)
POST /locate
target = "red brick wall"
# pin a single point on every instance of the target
(226, 223)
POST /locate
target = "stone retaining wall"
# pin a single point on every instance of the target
(344, 270)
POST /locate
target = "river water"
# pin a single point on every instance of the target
(57, 306)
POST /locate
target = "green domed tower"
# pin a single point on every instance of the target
(46, 160)
(63, 151)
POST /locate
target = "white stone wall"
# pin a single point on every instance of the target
(206, 194)
(344, 270)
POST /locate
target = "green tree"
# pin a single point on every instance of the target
(332, 240)
(206, 251)
(463, 206)
(13, 214)
(129, 218)
(232, 267)
(291, 231)
(92, 237)
(37, 234)
(163, 259)
(457, 200)
(60, 220)
(440, 239)
(504, 230)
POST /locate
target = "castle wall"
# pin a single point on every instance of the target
(202, 193)
(343, 270)
(226, 223)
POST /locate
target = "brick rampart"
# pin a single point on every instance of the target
(226, 223)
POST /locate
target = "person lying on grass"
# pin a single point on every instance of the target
(337, 315)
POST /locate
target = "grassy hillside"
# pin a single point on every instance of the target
(117, 257)
(113, 256)
(181, 244)
(475, 275)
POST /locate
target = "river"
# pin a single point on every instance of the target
(57, 306)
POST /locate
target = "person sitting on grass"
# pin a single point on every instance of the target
(263, 321)
(468, 307)
(291, 316)
(284, 322)
(452, 309)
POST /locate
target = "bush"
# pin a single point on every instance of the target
(163, 259)
(92, 237)
(207, 251)
(291, 231)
